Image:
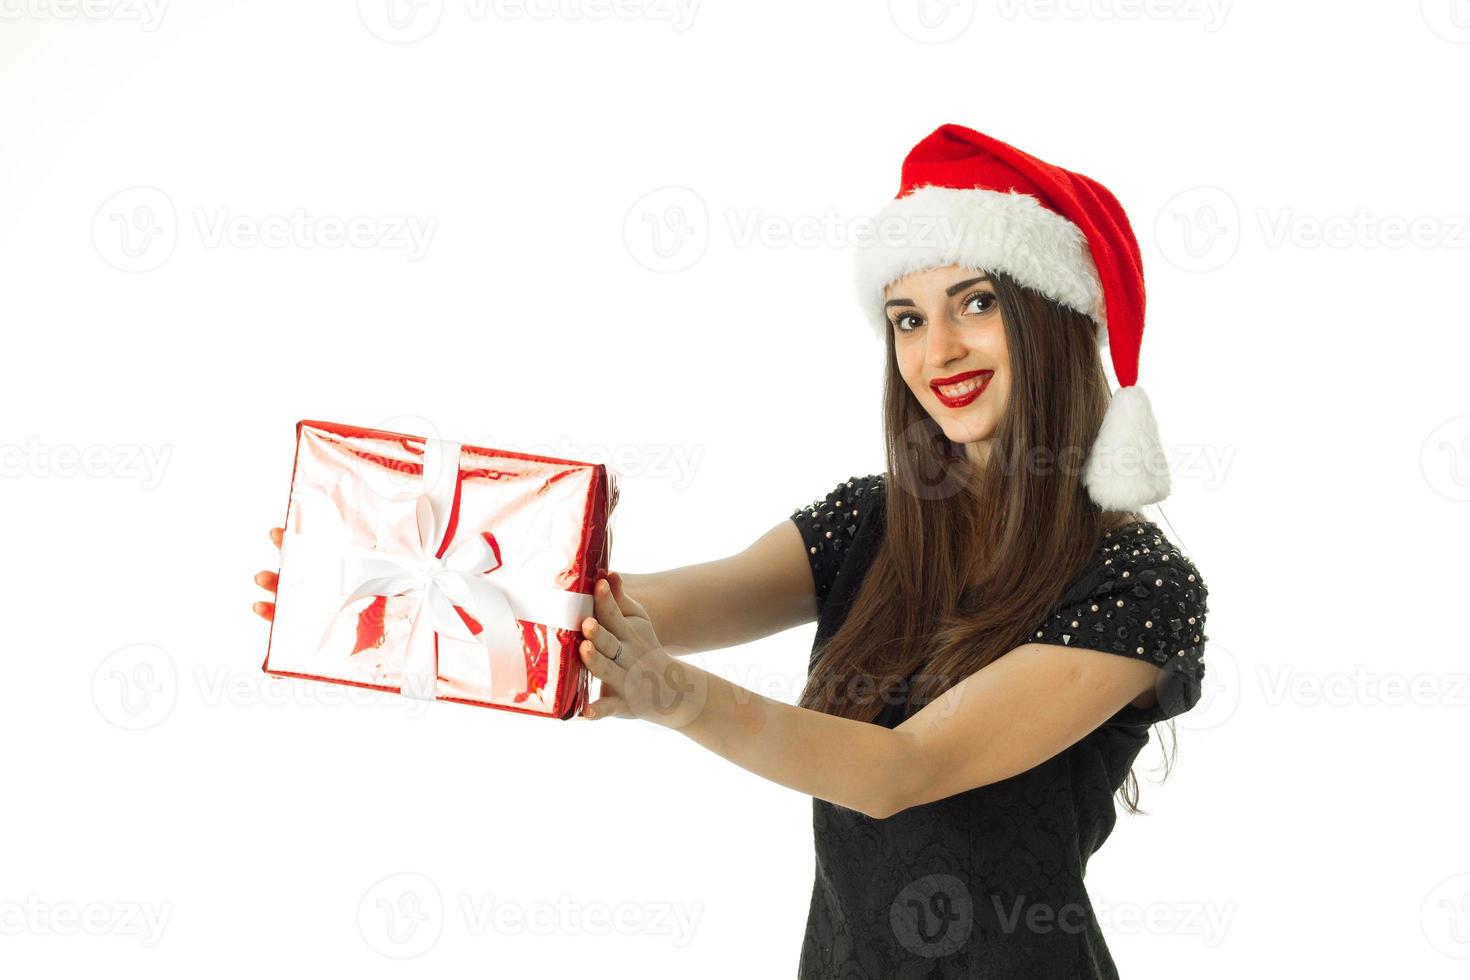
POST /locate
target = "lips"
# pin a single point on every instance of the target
(958, 390)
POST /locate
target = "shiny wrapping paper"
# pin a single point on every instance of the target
(360, 490)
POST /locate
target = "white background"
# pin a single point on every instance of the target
(167, 323)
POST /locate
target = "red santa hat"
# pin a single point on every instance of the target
(970, 200)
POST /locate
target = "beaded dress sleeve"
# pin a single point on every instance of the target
(829, 524)
(1141, 598)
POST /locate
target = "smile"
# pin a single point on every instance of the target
(961, 389)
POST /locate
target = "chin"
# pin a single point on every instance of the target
(963, 432)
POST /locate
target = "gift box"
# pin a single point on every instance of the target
(439, 570)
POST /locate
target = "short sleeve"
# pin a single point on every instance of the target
(1140, 598)
(829, 524)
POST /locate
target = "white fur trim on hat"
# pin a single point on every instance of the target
(1006, 231)
(1126, 468)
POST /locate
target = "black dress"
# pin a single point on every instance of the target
(988, 882)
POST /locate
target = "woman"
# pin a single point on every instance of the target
(996, 627)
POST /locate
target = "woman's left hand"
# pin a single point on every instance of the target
(640, 679)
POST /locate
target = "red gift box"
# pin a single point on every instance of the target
(439, 570)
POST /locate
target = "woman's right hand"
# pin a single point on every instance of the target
(268, 580)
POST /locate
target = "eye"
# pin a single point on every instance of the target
(991, 301)
(898, 322)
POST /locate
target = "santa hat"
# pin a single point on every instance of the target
(970, 200)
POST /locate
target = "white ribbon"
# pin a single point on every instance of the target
(495, 601)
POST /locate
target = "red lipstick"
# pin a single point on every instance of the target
(960, 401)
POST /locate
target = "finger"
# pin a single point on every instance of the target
(605, 608)
(265, 610)
(598, 665)
(600, 637)
(276, 535)
(629, 605)
(607, 706)
(267, 580)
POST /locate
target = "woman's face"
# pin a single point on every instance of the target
(946, 324)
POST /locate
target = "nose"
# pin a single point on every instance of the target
(945, 345)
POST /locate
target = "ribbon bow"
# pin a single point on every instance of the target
(458, 578)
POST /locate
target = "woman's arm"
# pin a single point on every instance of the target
(1005, 718)
(762, 590)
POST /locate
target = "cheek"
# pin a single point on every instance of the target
(910, 366)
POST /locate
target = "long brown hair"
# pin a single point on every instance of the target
(972, 558)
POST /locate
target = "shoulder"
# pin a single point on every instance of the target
(1139, 558)
(832, 525)
(1138, 569)
(1140, 597)
(847, 500)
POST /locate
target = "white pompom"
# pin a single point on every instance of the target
(1127, 468)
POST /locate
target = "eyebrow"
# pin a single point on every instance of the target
(948, 292)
